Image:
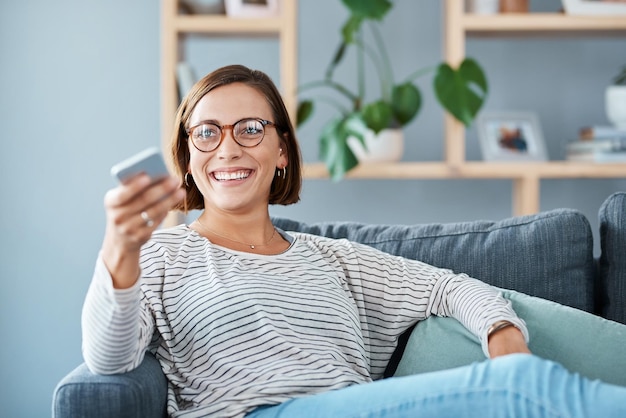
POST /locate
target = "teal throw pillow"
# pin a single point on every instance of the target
(582, 342)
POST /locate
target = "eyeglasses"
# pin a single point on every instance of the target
(249, 132)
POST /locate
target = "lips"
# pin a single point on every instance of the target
(231, 175)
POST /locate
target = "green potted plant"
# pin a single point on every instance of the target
(460, 91)
(615, 98)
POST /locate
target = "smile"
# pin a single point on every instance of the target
(232, 175)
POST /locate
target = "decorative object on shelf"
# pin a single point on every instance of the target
(212, 7)
(252, 8)
(615, 100)
(598, 150)
(460, 91)
(594, 7)
(588, 133)
(384, 146)
(185, 78)
(483, 7)
(511, 136)
(513, 6)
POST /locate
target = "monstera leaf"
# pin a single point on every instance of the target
(334, 149)
(461, 92)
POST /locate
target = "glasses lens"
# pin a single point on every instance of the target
(206, 137)
(249, 132)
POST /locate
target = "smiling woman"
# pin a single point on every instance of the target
(263, 123)
(248, 320)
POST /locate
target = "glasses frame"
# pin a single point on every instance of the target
(222, 128)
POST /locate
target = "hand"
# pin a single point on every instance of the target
(127, 229)
(507, 340)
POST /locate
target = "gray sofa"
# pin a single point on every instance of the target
(539, 259)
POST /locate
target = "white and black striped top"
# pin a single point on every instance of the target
(234, 331)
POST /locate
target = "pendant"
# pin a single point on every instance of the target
(252, 247)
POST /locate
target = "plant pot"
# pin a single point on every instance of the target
(386, 146)
(615, 105)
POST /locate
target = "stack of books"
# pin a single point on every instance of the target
(600, 144)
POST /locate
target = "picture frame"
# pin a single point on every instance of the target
(511, 136)
(594, 7)
(252, 8)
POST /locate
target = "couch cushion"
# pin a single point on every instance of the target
(612, 219)
(549, 255)
(582, 342)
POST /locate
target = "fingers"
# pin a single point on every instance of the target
(136, 208)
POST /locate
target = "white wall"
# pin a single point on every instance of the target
(79, 90)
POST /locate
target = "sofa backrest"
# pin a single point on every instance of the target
(549, 255)
(612, 219)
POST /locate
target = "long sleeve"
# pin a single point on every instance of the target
(116, 330)
(393, 293)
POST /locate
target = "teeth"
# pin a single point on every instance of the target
(234, 175)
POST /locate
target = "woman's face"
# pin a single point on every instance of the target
(234, 178)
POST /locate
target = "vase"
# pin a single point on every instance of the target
(483, 6)
(615, 105)
(513, 6)
(386, 146)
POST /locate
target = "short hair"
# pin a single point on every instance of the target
(285, 190)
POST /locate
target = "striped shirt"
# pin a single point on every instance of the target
(234, 331)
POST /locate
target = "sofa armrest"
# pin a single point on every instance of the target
(138, 393)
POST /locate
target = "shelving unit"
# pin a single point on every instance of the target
(458, 26)
(525, 177)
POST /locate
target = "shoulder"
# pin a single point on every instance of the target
(338, 247)
(172, 239)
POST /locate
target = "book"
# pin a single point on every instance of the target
(597, 150)
(601, 132)
(598, 157)
(612, 144)
(185, 77)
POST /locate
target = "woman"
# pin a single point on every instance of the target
(248, 320)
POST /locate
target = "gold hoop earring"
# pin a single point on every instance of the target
(186, 180)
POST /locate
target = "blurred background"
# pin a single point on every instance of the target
(79, 91)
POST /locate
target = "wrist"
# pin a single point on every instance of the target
(498, 326)
(123, 266)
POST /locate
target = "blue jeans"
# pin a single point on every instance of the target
(518, 385)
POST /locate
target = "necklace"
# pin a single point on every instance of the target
(252, 246)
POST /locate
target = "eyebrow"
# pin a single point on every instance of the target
(213, 121)
(216, 122)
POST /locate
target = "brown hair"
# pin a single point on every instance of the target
(284, 190)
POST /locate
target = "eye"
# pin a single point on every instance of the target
(206, 132)
(249, 128)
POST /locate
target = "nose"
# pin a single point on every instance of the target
(228, 148)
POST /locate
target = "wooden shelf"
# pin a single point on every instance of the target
(223, 25)
(474, 170)
(543, 24)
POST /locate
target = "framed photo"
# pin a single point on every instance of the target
(252, 8)
(511, 136)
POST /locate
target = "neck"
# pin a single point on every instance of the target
(253, 233)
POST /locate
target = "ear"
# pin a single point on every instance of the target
(283, 159)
